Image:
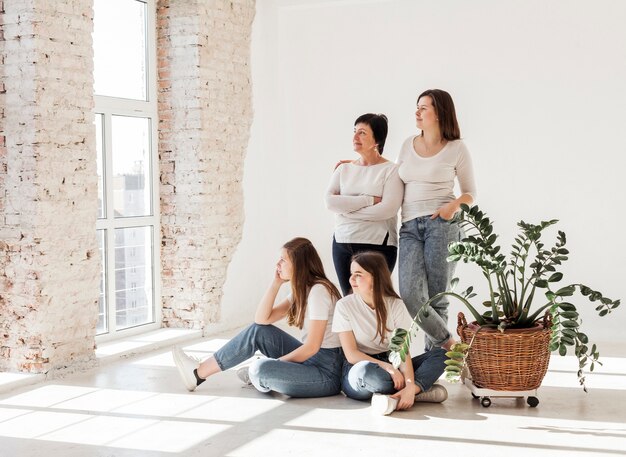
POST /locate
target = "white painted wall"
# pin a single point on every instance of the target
(540, 94)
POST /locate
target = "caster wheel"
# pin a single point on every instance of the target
(474, 396)
(486, 402)
(532, 401)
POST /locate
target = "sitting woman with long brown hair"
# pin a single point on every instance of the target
(307, 368)
(364, 322)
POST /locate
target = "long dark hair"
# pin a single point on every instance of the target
(379, 125)
(376, 265)
(307, 271)
(444, 108)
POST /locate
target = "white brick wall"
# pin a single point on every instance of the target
(205, 115)
(49, 262)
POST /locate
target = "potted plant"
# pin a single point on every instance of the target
(524, 294)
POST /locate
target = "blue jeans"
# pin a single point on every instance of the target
(363, 379)
(319, 376)
(342, 258)
(424, 272)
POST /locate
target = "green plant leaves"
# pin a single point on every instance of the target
(555, 277)
(532, 266)
(456, 361)
(399, 344)
(567, 306)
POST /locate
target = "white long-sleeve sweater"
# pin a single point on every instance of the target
(429, 181)
(350, 195)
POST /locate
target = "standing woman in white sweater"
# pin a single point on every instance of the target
(365, 195)
(429, 163)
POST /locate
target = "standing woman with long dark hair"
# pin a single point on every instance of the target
(430, 161)
(307, 368)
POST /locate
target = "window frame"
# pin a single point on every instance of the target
(112, 106)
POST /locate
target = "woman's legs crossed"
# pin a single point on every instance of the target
(363, 379)
(428, 367)
(318, 376)
(268, 339)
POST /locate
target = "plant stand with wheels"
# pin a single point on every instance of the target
(485, 395)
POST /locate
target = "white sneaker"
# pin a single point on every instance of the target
(243, 375)
(383, 405)
(436, 394)
(186, 364)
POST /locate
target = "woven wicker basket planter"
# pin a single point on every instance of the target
(516, 359)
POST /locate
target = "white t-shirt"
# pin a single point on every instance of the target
(429, 181)
(353, 314)
(350, 195)
(320, 306)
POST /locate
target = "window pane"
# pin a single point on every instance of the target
(133, 277)
(119, 42)
(102, 326)
(100, 165)
(131, 166)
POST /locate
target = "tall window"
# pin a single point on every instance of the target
(126, 115)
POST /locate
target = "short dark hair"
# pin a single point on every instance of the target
(378, 124)
(444, 108)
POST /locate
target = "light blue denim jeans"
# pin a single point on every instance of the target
(424, 272)
(319, 376)
(363, 379)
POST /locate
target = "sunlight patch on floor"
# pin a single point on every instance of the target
(611, 375)
(9, 379)
(200, 351)
(47, 396)
(123, 418)
(232, 409)
(110, 431)
(206, 346)
(502, 431)
(307, 444)
(610, 365)
(163, 359)
(591, 435)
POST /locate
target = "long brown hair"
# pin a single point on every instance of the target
(307, 271)
(444, 108)
(376, 265)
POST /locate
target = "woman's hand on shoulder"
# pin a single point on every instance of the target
(341, 162)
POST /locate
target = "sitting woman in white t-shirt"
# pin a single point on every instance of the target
(310, 367)
(364, 322)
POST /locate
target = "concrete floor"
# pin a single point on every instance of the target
(136, 406)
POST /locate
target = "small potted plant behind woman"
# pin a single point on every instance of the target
(364, 321)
